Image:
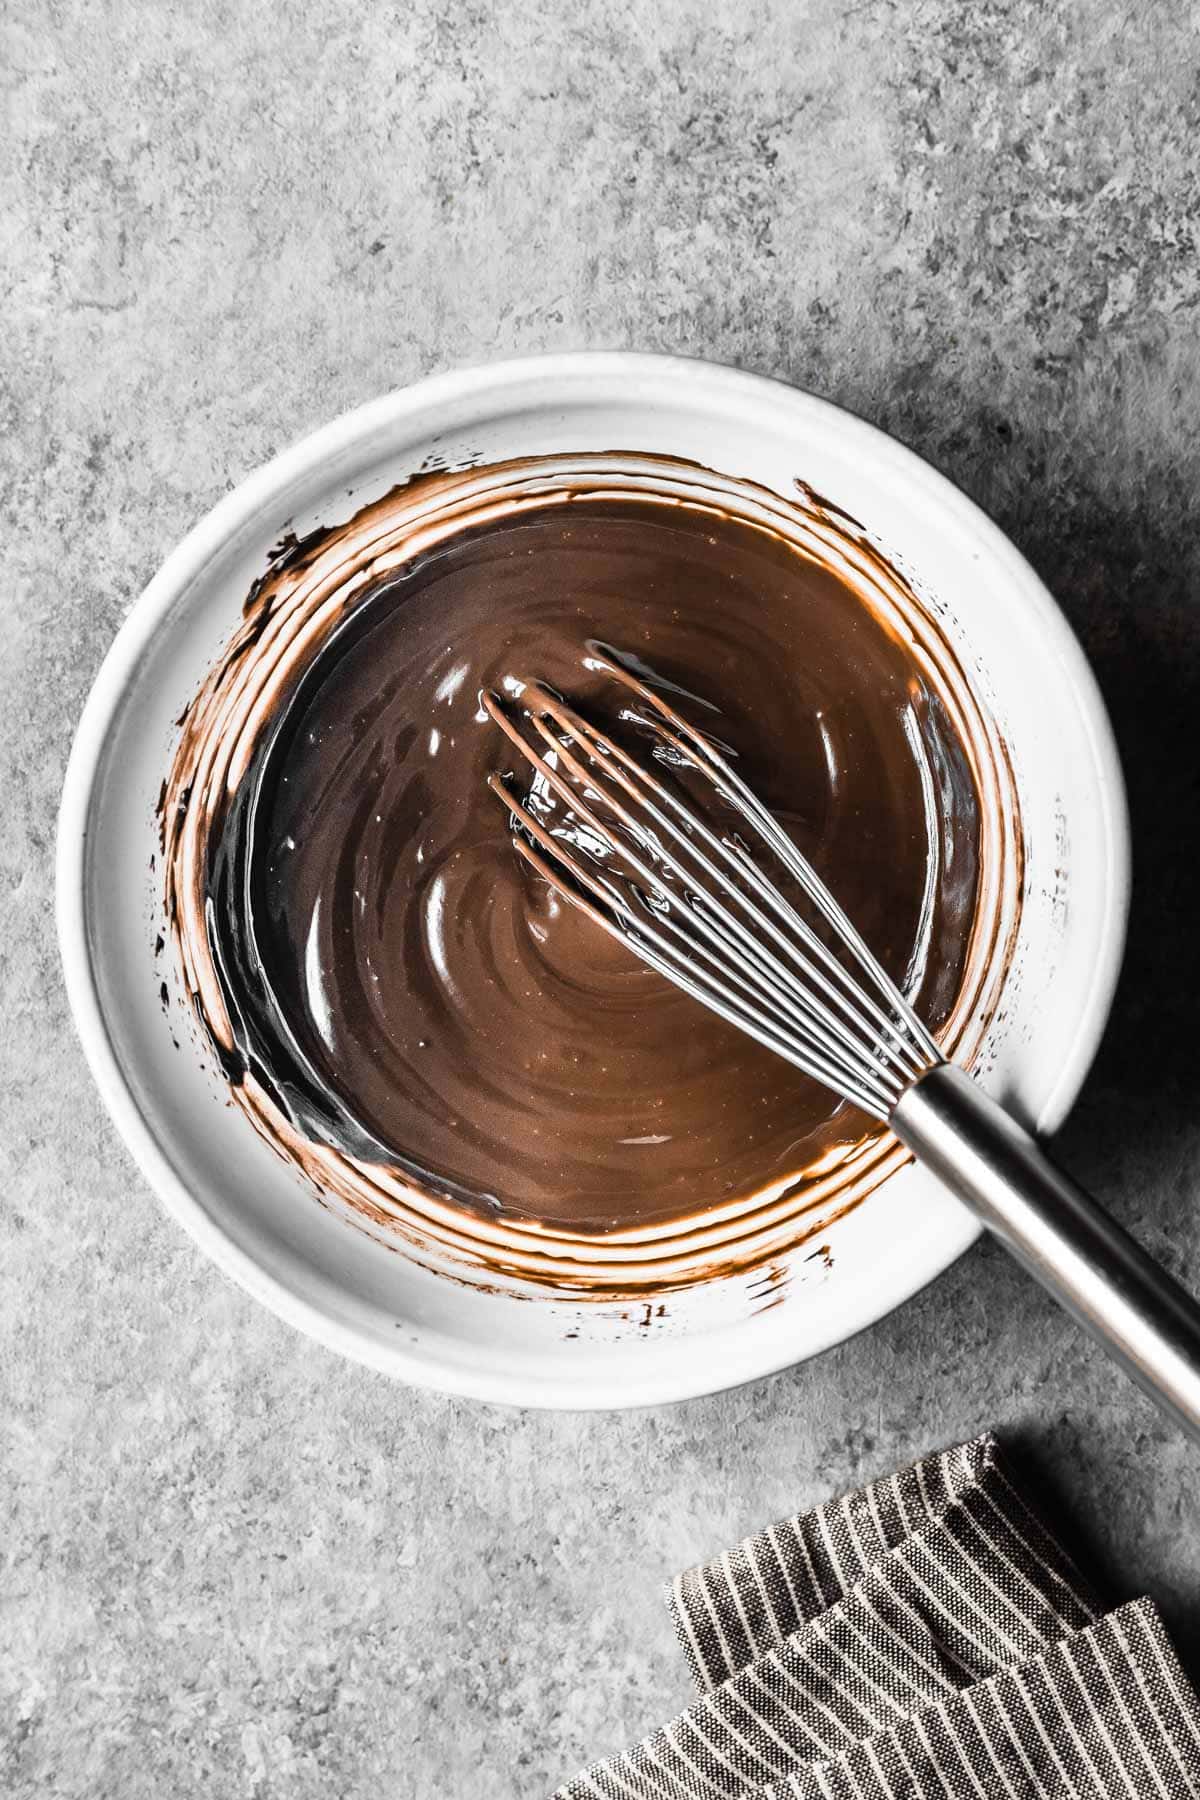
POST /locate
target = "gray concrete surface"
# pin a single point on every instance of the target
(232, 1564)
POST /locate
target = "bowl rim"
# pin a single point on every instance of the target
(238, 509)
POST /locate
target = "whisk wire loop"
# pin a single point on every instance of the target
(829, 976)
(659, 944)
(692, 903)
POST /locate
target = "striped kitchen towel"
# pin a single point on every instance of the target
(925, 1636)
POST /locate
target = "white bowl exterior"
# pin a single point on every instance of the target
(249, 1212)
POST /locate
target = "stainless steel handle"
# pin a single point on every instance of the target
(1115, 1290)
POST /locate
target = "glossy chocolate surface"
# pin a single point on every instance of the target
(408, 994)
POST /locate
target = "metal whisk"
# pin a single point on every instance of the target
(618, 835)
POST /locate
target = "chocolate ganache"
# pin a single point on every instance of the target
(390, 981)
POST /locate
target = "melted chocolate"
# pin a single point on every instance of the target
(406, 993)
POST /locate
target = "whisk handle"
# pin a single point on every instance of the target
(1138, 1312)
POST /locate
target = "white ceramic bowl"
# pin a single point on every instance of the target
(250, 1213)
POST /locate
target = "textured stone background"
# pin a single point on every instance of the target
(232, 1564)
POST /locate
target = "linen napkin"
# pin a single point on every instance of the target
(924, 1636)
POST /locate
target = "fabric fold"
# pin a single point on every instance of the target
(924, 1635)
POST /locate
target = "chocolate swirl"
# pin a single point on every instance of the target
(404, 1008)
